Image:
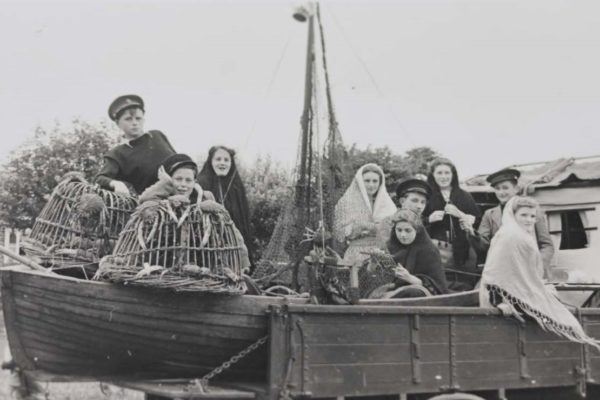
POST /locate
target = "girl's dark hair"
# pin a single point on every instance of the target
(436, 163)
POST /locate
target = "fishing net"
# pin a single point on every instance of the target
(171, 244)
(321, 177)
(79, 224)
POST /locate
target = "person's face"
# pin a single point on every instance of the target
(526, 217)
(184, 181)
(505, 191)
(221, 162)
(413, 201)
(132, 123)
(443, 176)
(405, 233)
(371, 181)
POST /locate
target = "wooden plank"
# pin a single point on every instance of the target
(167, 314)
(186, 390)
(374, 380)
(117, 320)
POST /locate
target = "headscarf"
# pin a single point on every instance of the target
(228, 191)
(421, 258)
(355, 207)
(513, 272)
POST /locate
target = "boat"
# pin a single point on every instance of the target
(87, 330)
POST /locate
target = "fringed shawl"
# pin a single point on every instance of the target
(354, 206)
(513, 273)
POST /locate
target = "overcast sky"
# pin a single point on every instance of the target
(487, 83)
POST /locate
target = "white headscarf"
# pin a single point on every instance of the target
(513, 272)
(355, 207)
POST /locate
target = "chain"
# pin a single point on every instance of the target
(203, 382)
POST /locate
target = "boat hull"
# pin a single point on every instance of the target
(63, 326)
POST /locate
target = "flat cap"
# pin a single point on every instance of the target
(122, 103)
(413, 185)
(506, 174)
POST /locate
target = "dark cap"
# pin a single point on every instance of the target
(507, 174)
(124, 102)
(413, 185)
(176, 161)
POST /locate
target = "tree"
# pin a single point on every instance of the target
(34, 169)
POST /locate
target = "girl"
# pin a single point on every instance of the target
(220, 176)
(446, 208)
(419, 259)
(512, 276)
(360, 211)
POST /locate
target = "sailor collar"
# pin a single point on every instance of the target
(129, 142)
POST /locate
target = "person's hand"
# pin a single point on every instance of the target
(211, 206)
(119, 187)
(436, 216)
(466, 224)
(402, 273)
(453, 210)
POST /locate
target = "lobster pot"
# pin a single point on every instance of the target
(371, 276)
(79, 224)
(178, 247)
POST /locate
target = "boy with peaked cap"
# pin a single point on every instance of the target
(136, 160)
(506, 186)
(412, 194)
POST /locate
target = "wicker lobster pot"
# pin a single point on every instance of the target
(177, 246)
(79, 224)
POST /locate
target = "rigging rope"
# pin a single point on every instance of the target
(371, 77)
(269, 87)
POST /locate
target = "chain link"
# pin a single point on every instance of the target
(233, 360)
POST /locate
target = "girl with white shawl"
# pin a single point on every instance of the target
(360, 211)
(512, 276)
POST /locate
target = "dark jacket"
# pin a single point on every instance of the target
(135, 162)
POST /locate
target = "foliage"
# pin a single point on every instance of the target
(267, 185)
(34, 169)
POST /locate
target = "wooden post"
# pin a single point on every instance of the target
(7, 233)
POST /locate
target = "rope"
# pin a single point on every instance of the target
(269, 87)
(372, 78)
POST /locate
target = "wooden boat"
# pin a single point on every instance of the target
(85, 329)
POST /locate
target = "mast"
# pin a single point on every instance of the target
(302, 15)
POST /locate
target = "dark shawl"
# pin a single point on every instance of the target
(449, 229)
(421, 258)
(234, 199)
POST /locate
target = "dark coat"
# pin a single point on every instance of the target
(421, 258)
(449, 228)
(230, 192)
(135, 162)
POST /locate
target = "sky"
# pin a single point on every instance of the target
(487, 83)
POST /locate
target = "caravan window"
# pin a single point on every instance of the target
(570, 229)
